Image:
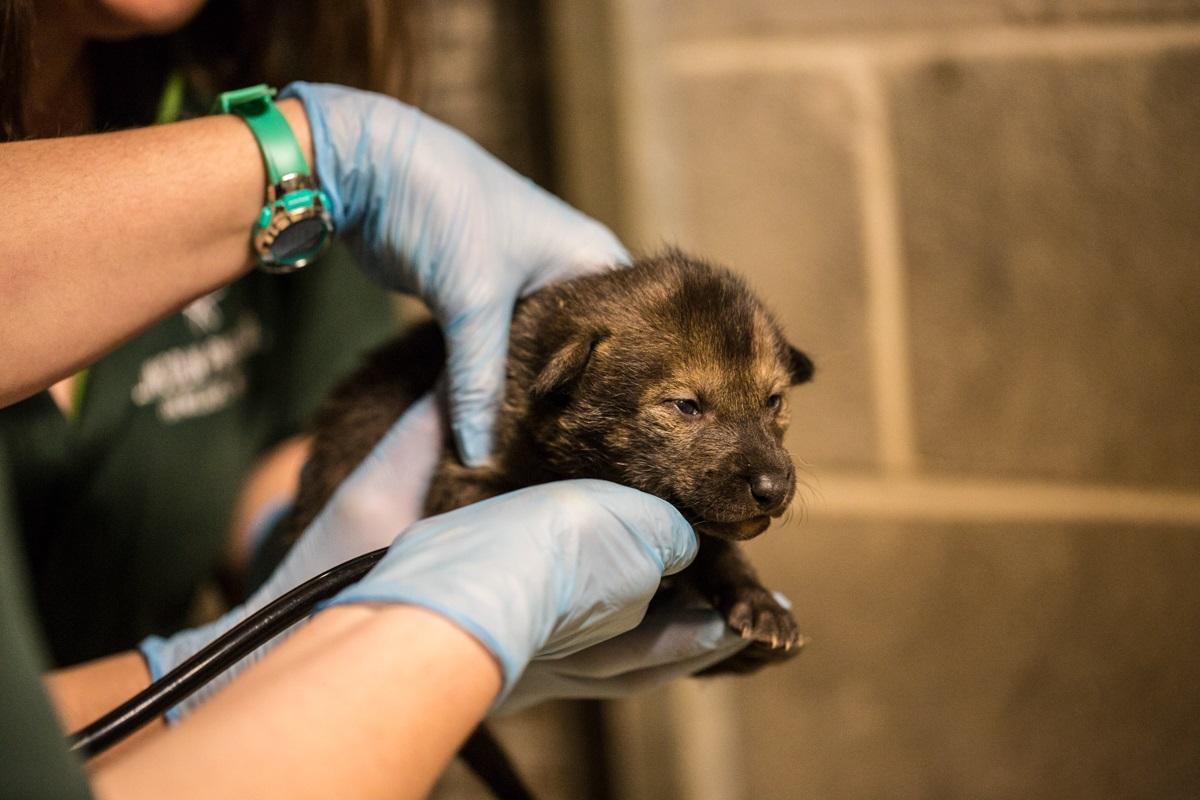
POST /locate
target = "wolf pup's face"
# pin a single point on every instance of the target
(672, 378)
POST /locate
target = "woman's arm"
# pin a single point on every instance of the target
(267, 492)
(103, 235)
(363, 702)
(85, 692)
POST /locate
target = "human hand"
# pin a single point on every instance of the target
(546, 571)
(384, 495)
(432, 213)
(677, 639)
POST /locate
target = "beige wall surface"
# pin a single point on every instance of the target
(982, 219)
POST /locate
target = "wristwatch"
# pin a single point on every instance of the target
(294, 227)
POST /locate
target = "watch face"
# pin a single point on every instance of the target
(299, 240)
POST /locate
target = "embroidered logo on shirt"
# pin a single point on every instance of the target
(202, 378)
(204, 314)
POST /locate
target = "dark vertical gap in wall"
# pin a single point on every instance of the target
(524, 85)
(541, 108)
(597, 746)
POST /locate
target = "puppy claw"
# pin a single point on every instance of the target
(799, 644)
(755, 614)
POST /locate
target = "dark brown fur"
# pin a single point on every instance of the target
(600, 371)
(595, 368)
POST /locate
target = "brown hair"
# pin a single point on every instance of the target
(15, 19)
(363, 43)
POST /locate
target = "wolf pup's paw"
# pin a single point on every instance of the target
(754, 613)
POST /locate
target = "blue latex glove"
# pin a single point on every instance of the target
(675, 640)
(546, 571)
(385, 494)
(431, 213)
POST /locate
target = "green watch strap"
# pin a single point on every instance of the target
(281, 152)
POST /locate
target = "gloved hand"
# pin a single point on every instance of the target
(546, 571)
(675, 640)
(387, 493)
(384, 495)
(431, 213)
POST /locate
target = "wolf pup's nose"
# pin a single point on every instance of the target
(769, 489)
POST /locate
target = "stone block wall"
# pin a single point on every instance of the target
(982, 219)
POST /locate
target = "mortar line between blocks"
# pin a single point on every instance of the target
(817, 50)
(887, 322)
(964, 499)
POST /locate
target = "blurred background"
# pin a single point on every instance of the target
(982, 219)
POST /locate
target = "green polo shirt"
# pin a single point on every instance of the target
(124, 510)
(34, 762)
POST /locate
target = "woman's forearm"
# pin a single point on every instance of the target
(363, 702)
(265, 494)
(103, 235)
(85, 692)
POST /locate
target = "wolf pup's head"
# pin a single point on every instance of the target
(670, 377)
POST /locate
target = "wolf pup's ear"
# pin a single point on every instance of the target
(564, 367)
(800, 366)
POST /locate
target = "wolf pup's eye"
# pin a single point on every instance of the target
(689, 408)
(773, 401)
